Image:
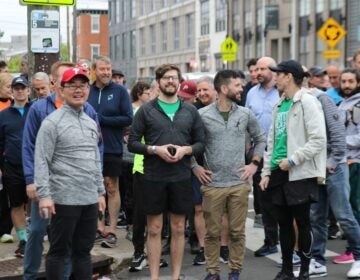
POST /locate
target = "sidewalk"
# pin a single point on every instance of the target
(122, 252)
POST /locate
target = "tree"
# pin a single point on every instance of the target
(1, 35)
(14, 64)
(64, 54)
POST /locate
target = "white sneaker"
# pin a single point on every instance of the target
(6, 238)
(354, 272)
(317, 269)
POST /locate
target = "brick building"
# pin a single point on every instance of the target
(92, 29)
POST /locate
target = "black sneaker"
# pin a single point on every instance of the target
(285, 276)
(266, 250)
(138, 262)
(199, 258)
(122, 223)
(21, 249)
(163, 263)
(109, 241)
(224, 254)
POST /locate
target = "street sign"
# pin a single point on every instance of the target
(332, 54)
(48, 2)
(331, 32)
(45, 31)
(229, 49)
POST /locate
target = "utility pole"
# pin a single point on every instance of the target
(74, 41)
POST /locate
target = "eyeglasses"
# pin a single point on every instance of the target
(74, 87)
(167, 78)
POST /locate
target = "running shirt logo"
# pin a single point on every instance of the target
(110, 97)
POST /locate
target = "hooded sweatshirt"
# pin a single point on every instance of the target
(352, 129)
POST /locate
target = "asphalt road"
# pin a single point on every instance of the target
(255, 268)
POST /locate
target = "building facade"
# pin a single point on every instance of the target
(144, 34)
(92, 29)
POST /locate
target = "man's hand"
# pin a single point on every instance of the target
(46, 208)
(202, 174)
(102, 204)
(330, 170)
(247, 171)
(31, 192)
(264, 183)
(284, 164)
(181, 151)
(163, 152)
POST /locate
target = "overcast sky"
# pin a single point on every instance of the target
(13, 19)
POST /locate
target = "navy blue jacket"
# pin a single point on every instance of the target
(113, 106)
(37, 113)
(11, 134)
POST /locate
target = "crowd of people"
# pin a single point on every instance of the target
(178, 158)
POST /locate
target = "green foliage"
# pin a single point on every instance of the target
(64, 54)
(14, 64)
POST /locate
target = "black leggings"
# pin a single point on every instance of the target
(285, 216)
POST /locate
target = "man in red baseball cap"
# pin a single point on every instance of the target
(70, 186)
(187, 91)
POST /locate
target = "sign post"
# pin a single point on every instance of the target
(332, 33)
(229, 48)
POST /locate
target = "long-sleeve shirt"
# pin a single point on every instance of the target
(67, 158)
(37, 113)
(225, 142)
(114, 109)
(153, 125)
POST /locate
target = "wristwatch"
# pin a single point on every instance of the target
(255, 162)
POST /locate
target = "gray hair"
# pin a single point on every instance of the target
(41, 76)
(207, 79)
(101, 58)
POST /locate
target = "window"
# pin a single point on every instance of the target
(319, 6)
(190, 30)
(336, 4)
(259, 15)
(123, 45)
(133, 9)
(95, 23)
(142, 7)
(248, 19)
(163, 3)
(163, 26)
(117, 47)
(152, 6)
(153, 38)
(236, 16)
(118, 11)
(132, 44)
(112, 48)
(142, 41)
(176, 32)
(304, 7)
(220, 15)
(204, 17)
(95, 50)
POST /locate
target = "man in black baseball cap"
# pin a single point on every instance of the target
(317, 78)
(21, 80)
(289, 66)
(118, 77)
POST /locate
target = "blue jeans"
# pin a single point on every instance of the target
(335, 194)
(34, 246)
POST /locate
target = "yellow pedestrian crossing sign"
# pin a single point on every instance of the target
(229, 49)
(331, 32)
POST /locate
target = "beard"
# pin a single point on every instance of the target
(348, 94)
(168, 90)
